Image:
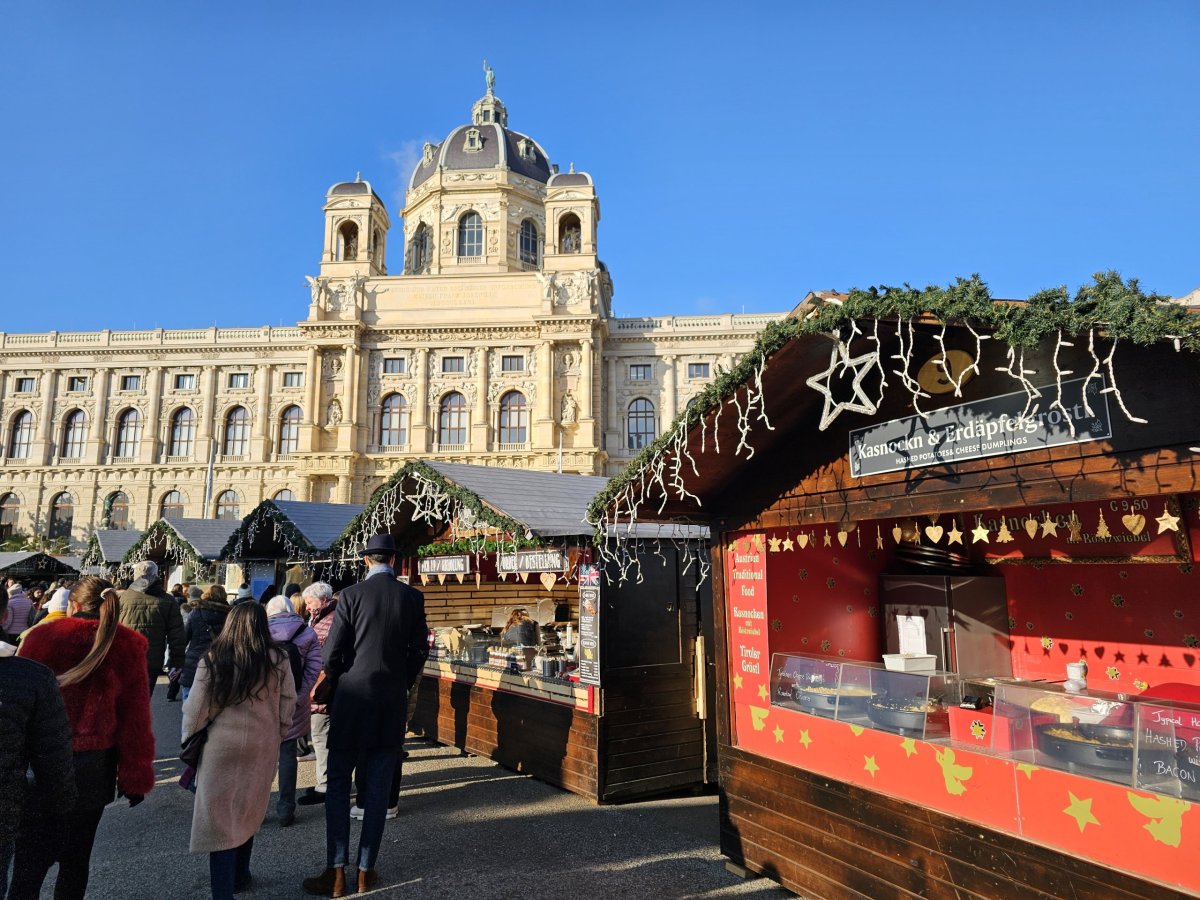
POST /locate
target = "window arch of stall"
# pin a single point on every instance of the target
(347, 241)
(20, 435)
(62, 516)
(74, 435)
(570, 234)
(470, 236)
(229, 506)
(10, 515)
(393, 421)
(129, 434)
(116, 510)
(452, 420)
(514, 418)
(640, 424)
(171, 505)
(183, 432)
(289, 430)
(237, 431)
(285, 494)
(530, 243)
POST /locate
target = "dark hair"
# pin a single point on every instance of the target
(269, 592)
(379, 556)
(91, 595)
(242, 657)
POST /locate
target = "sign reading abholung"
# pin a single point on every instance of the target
(993, 426)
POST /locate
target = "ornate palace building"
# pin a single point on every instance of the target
(496, 345)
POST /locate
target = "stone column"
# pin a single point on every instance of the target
(545, 437)
(261, 443)
(153, 430)
(206, 411)
(345, 431)
(312, 385)
(343, 489)
(612, 428)
(481, 415)
(45, 449)
(418, 441)
(98, 434)
(586, 422)
(670, 400)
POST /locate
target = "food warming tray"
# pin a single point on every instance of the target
(1094, 746)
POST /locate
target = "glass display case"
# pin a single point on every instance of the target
(913, 704)
(1167, 750)
(1088, 733)
(815, 686)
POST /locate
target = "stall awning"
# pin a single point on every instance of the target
(289, 529)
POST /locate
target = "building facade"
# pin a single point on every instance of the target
(495, 345)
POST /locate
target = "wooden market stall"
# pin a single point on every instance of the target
(193, 544)
(31, 565)
(985, 493)
(284, 541)
(106, 549)
(605, 704)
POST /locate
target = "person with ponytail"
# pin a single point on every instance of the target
(100, 666)
(245, 692)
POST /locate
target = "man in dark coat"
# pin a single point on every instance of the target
(152, 612)
(376, 647)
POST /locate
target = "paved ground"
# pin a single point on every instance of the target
(467, 829)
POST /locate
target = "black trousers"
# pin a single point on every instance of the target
(40, 847)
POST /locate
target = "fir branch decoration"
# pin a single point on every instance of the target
(177, 548)
(296, 546)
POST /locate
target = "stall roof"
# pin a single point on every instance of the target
(318, 525)
(30, 560)
(113, 543)
(202, 538)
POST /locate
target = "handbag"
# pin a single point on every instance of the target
(191, 750)
(322, 689)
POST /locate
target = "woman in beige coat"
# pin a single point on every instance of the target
(244, 686)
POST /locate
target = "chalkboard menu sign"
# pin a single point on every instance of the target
(587, 652)
(1168, 759)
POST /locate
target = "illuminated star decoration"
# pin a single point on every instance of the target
(805, 739)
(1167, 522)
(774, 542)
(1081, 811)
(979, 534)
(778, 732)
(1049, 526)
(909, 746)
(954, 536)
(870, 765)
(788, 544)
(860, 403)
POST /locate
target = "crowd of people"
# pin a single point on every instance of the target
(256, 678)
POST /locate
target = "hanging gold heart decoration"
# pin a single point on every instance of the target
(843, 537)
(1031, 526)
(897, 533)
(802, 540)
(934, 532)
(547, 579)
(1135, 523)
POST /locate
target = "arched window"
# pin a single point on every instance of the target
(393, 421)
(171, 506)
(531, 250)
(470, 235)
(514, 418)
(570, 234)
(10, 515)
(129, 434)
(237, 431)
(20, 439)
(285, 494)
(74, 435)
(377, 245)
(452, 420)
(183, 432)
(289, 430)
(229, 506)
(641, 423)
(116, 510)
(62, 514)
(347, 241)
(420, 254)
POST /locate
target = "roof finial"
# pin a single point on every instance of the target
(489, 75)
(572, 172)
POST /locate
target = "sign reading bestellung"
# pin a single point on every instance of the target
(993, 426)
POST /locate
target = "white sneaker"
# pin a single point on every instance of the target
(393, 812)
(356, 812)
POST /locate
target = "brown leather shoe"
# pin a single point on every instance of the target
(368, 880)
(330, 883)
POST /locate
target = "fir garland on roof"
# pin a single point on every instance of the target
(296, 545)
(1115, 309)
(177, 548)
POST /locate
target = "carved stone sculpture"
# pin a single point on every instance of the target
(333, 415)
(568, 410)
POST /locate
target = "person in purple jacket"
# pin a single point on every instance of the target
(288, 627)
(20, 612)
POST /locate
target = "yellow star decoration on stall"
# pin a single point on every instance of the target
(979, 534)
(1026, 769)
(1049, 526)
(1165, 815)
(763, 694)
(737, 681)
(1081, 812)
(953, 536)
(805, 739)
(909, 746)
(1167, 522)
(856, 730)
(870, 765)
(788, 544)
(778, 732)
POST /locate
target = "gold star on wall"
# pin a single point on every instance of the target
(827, 539)
(856, 730)
(788, 544)
(1081, 811)
(870, 765)
(909, 746)
(979, 534)
(774, 542)
(778, 732)
(954, 536)
(1167, 522)
(1049, 526)
(737, 681)
(762, 692)
(805, 739)
(1026, 769)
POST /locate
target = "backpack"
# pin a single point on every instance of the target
(294, 658)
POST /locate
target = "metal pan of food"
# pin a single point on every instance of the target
(1095, 746)
(825, 701)
(904, 716)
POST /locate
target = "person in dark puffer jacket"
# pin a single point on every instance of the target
(101, 668)
(34, 734)
(204, 623)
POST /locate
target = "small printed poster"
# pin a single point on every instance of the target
(587, 652)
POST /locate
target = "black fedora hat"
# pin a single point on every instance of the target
(380, 543)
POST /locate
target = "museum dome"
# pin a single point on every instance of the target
(350, 188)
(486, 143)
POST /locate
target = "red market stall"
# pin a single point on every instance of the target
(955, 593)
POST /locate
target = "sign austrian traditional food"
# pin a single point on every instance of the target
(444, 565)
(992, 426)
(587, 653)
(532, 561)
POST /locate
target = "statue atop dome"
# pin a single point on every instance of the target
(489, 75)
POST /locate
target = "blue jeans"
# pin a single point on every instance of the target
(377, 766)
(229, 870)
(287, 778)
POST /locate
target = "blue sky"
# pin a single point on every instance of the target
(165, 163)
